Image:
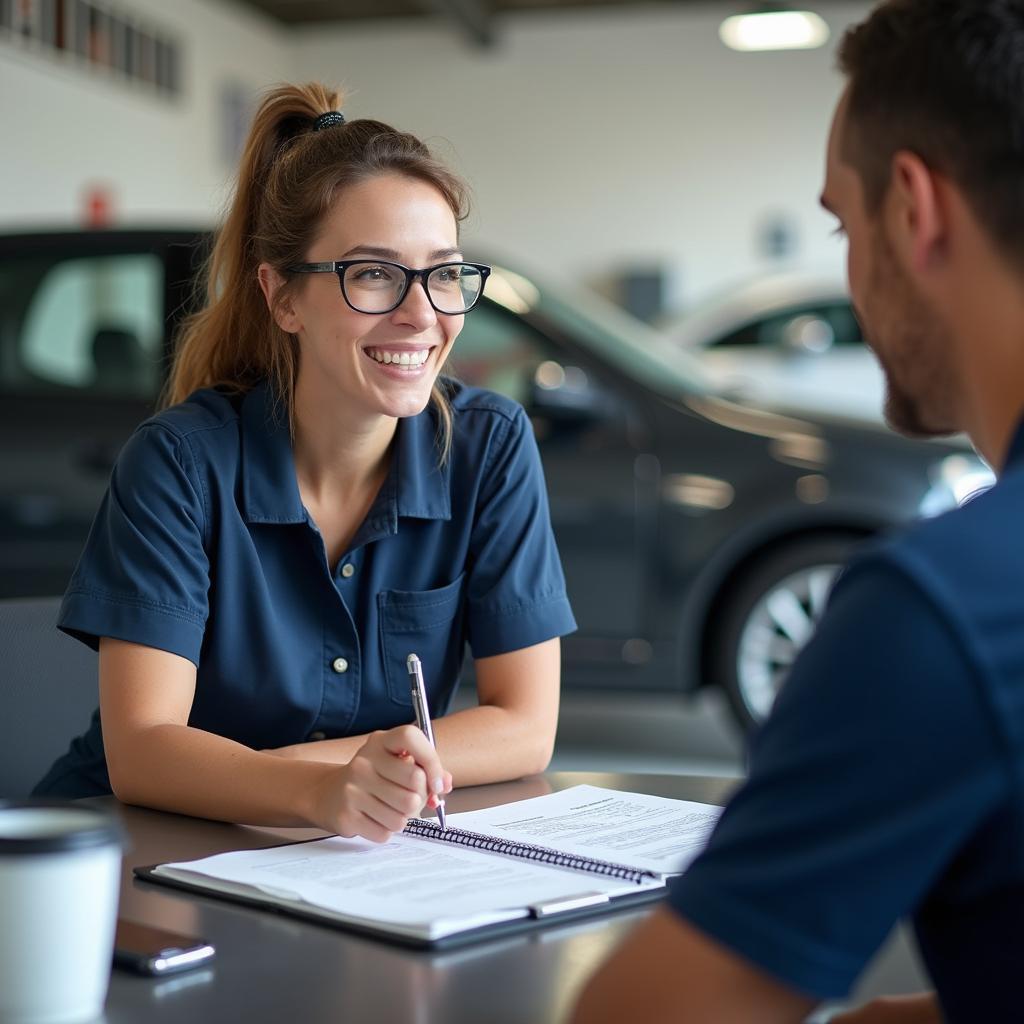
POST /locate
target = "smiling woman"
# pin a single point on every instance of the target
(315, 504)
(377, 341)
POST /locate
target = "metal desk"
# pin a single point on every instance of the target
(271, 968)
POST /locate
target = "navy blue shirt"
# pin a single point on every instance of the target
(202, 547)
(888, 780)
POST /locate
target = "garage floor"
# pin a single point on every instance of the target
(641, 733)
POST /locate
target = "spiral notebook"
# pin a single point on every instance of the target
(504, 869)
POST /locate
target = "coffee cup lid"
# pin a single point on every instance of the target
(54, 826)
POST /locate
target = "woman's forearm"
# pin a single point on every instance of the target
(156, 760)
(183, 769)
(509, 735)
(491, 744)
(174, 767)
(477, 745)
(339, 751)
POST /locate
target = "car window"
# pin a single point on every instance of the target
(90, 324)
(499, 351)
(806, 328)
(629, 345)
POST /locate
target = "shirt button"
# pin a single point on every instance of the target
(317, 736)
(339, 665)
(347, 569)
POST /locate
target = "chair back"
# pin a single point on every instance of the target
(49, 689)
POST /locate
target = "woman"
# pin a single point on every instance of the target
(315, 505)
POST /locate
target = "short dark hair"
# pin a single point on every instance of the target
(945, 80)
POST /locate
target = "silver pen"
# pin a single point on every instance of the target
(419, 704)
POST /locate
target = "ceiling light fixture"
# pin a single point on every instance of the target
(774, 30)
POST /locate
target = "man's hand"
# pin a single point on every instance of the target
(922, 1008)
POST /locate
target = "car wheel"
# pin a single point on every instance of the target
(768, 616)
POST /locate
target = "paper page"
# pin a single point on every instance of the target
(650, 832)
(419, 886)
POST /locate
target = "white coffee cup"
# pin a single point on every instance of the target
(60, 867)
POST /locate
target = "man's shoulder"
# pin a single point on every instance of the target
(981, 533)
(967, 562)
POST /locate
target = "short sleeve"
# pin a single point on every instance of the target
(144, 573)
(878, 763)
(516, 591)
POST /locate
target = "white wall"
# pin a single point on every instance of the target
(594, 140)
(65, 127)
(613, 137)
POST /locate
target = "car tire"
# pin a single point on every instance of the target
(768, 615)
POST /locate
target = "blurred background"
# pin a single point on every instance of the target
(668, 302)
(618, 143)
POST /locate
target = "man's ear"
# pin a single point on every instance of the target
(284, 315)
(916, 211)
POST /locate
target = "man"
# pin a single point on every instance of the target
(889, 782)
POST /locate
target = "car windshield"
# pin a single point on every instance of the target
(622, 341)
(729, 309)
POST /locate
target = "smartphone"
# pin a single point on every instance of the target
(147, 950)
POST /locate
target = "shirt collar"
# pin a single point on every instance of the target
(270, 492)
(416, 486)
(421, 484)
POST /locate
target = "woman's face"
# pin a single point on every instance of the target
(353, 357)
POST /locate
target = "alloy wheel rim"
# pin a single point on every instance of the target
(777, 629)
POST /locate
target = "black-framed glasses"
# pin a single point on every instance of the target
(379, 286)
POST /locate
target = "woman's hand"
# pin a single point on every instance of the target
(916, 1009)
(393, 776)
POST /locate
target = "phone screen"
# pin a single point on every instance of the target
(149, 950)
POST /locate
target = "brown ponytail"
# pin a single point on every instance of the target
(287, 181)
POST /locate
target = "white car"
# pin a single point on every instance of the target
(786, 340)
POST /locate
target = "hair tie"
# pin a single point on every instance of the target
(328, 120)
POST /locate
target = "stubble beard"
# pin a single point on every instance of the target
(913, 348)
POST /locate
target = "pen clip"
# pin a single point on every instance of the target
(419, 696)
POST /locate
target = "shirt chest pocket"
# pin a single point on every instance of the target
(431, 625)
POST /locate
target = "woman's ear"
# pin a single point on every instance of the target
(282, 312)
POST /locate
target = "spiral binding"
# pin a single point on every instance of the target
(427, 829)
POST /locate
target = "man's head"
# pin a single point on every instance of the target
(933, 115)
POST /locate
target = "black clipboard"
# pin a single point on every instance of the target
(498, 930)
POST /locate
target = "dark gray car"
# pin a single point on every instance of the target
(699, 535)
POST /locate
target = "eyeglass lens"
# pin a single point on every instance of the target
(378, 287)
